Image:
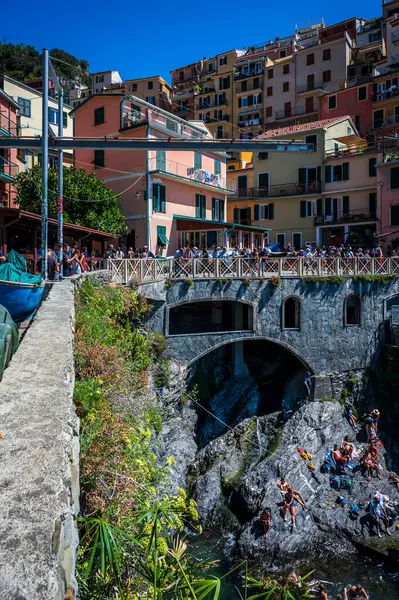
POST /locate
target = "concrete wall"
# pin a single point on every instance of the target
(323, 341)
(39, 453)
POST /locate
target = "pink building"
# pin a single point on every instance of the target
(8, 157)
(388, 196)
(186, 190)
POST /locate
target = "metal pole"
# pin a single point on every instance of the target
(148, 204)
(60, 204)
(44, 162)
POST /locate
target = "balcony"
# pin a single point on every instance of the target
(246, 74)
(359, 215)
(350, 150)
(200, 176)
(8, 170)
(222, 102)
(250, 87)
(395, 37)
(277, 191)
(134, 118)
(250, 122)
(387, 122)
(297, 111)
(7, 125)
(186, 77)
(209, 89)
(385, 96)
(370, 26)
(310, 87)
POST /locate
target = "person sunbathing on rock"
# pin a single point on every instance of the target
(356, 592)
(265, 520)
(347, 447)
(348, 413)
(372, 449)
(337, 458)
(370, 465)
(290, 499)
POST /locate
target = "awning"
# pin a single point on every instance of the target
(351, 139)
(207, 224)
(163, 240)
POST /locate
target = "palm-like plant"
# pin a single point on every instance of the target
(282, 587)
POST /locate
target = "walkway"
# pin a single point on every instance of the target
(153, 269)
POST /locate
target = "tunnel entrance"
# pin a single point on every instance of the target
(210, 317)
(241, 380)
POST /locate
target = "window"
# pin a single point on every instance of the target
(99, 78)
(224, 83)
(312, 139)
(200, 206)
(150, 85)
(373, 205)
(287, 109)
(256, 83)
(218, 115)
(197, 160)
(291, 313)
(374, 37)
(269, 111)
(270, 74)
(394, 215)
(310, 59)
(217, 209)
(307, 209)
(99, 115)
(24, 107)
(219, 132)
(332, 102)
(211, 67)
(280, 239)
(352, 310)
(373, 167)
(310, 81)
(160, 161)
(162, 240)
(337, 173)
(362, 93)
(283, 53)
(217, 167)
(326, 76)
(286, 86)
(134, 87)
(286, 69)
(99, 159)
(395, 178)
(53, 116)
(64, 119)
(222, 61)
(327, 54)
(263, 155)
(263, 212)
(158, 198)
(270, 90)
(150, 99)
(378, 118)
(309, 105)
(297, 240)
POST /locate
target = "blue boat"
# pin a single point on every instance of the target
(20, 299)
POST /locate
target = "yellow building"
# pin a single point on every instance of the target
(284, 191)
(215, 100)
(154, 90)
(30, 113)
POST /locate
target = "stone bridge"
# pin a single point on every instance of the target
(331, 328)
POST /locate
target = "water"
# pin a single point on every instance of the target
(380, 583)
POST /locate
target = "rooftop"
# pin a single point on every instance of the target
(303, 127)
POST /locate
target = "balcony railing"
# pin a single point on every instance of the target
(222, 102)
(125, 270)
(307, 42)
(249, 122)
(381, 97)
(293, 112)
(310, 87)
(172, 167)
(287, 189)
(246, 74)
(8, 170)
(209, 89)
(387, 122)
(134, 118)
(359, 215)
(186, 77)
(7, 125)
(248, 88)
(370, 26)
(350, 150)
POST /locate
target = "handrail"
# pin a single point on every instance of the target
(124, 270)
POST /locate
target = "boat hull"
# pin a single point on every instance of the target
(20, 299)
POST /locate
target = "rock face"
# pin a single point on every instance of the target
(233, 478)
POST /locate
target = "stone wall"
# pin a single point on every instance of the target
(39, 454)
(323, 342)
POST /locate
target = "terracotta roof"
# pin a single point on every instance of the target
(302, 127)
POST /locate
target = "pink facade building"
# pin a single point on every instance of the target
(8, 157)
(388, 196)
(170, 198)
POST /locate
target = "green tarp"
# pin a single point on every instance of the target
(15, 270)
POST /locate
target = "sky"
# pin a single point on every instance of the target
(147, 38)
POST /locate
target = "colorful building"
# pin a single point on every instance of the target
(170, 198)
(154, 90)
(355, 101)
(9, 164)
(105, 81)
(388, 196)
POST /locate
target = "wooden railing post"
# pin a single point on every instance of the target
(125, 273)
(372, 266)
(217, 266)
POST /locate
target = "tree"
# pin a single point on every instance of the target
(87, 200)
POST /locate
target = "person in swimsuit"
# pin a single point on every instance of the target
(290, 500)
(322, 592)
(338, 459)
(265, 520)
(283, 485)
(347, 447)
(357, 592)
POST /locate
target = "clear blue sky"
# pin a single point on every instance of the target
(151, 38)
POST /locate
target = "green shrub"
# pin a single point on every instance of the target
(331, 279)
(274, 280)
(379, 278)
(188, 282)
(169, 283)
(246, 282)
(158, 343)
(162, 373)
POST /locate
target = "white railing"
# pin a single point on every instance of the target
(200, 175)
(152, 269)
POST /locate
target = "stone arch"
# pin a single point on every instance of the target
(235, 339)
(352, 309)
(291, 313)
